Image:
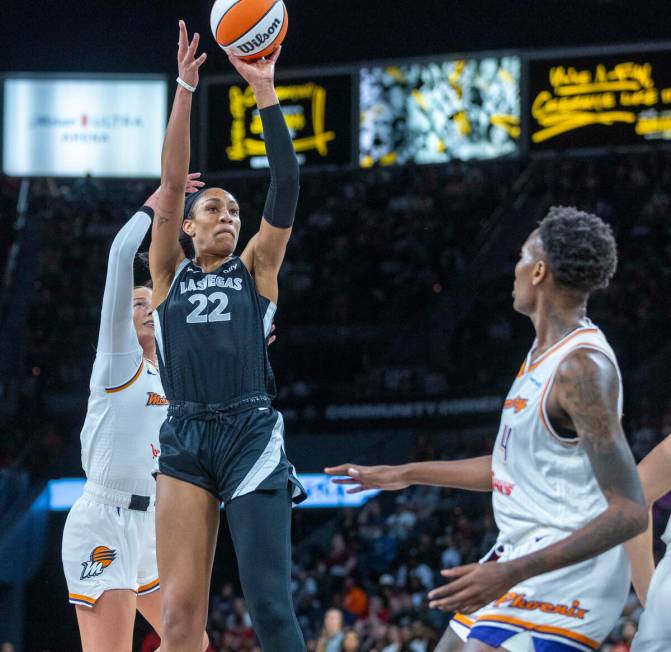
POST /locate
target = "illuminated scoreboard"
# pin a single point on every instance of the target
(600, 101)
(317, 109)
(437, 111)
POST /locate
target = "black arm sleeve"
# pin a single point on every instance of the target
(282, 196)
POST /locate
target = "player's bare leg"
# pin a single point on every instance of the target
(108, 625)
(514, 644)
(187, 522)
(150, 607)
(449, 642)
(478, 646)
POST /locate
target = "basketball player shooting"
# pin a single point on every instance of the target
(564, 482)
(222, 440)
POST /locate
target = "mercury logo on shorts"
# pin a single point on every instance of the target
(101, 557)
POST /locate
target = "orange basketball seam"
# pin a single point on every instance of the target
(221, 20)
(245, 17)
(249, 29)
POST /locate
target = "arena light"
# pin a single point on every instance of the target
(322, 493)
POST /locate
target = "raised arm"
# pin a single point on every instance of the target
(655, 474)
(473, 474)
(118, 353)
(165, 252)
(264, 254)
(587, 390)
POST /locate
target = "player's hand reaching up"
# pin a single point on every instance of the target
(187, 62)
(193, 184)
(256, 73)
(368, 477)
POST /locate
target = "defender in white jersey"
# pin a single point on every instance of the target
(109, 543)
(564, 482)
(653, 586)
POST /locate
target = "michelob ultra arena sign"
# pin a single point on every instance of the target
(70, 126)
(600, 101)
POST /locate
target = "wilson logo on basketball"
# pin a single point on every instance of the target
(156, 399)
(101, 558)
(518, 404)
(249, 46)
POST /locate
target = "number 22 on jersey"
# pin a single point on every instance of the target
(203, 312)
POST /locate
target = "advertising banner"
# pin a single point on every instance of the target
(600, 101)
(435, 112)
(317, 109)
(73, 127)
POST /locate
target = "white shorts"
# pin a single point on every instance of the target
(107, 547)
(568, 610)
(654, 628)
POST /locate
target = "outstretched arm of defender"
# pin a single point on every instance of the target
(655, 474)
(264, 254)
(586, 389)
(165, 252)
(474, 474)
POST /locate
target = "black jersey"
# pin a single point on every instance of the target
(211, 335)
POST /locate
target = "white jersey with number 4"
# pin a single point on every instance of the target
(542, 481)
(544, 489)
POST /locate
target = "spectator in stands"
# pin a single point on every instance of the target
(351, 641)
(332, 634)
(355, 600)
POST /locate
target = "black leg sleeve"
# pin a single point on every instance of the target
(260, 525)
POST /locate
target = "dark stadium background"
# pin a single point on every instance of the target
(343, 335)
(129, 36)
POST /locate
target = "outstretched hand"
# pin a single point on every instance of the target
(367, 477)
(193, 184)
(259, 72)
(187, 62)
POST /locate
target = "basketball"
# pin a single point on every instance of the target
(250, 29)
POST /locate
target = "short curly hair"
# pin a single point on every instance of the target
(580, 247)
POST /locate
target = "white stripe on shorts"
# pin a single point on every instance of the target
(268, 318)
(267, 462)
(158, 335)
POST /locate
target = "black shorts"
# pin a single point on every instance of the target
(228, 451)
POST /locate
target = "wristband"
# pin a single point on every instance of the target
(148, 210)
(183, 84)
